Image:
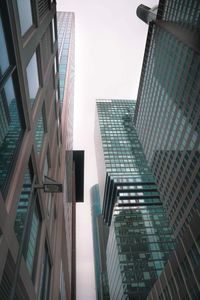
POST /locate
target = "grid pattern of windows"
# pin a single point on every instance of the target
(143, 240)
(181, 11)
(28, 83)
(125, 162)
(11, 128)
(184, 279)
(168, 123)
(140, 237)
(65, 23)
(120, 143)
(29, 86)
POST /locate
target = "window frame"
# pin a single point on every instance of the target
(11, 73)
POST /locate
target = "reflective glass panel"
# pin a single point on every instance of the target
(55, 65)
(10, 130)
(45, 277)
(39, 134)
(31, 250)
(53, 30)
(4, 62)
(32, 77)
(23, 204)
(25, 15)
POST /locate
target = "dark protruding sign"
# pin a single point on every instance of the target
(53, 187)
(50, 186)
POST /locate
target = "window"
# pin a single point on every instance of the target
(53, 31)
(6, 283)
(43, 7)
(46, 48)
(10, 130)
(23, 203)
(55, 65)
(46, 166)
(7, 278)
(25, 15)
(45, 276)
(33, 78)
(4, 62)
(34, 219)
(39, 134)
(32, 236)
(11, 119)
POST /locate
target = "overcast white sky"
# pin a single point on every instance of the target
(109, 48)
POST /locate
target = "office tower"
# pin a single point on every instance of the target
(139, 239)
(35, 248)
(100, 236)
(167, 121)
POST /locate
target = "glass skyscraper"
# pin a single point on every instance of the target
(140, 238)
(168, 122)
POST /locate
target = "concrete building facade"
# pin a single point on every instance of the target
(37, 229)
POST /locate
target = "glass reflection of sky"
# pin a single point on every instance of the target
(25, 15)
(4, 62)
(32, 77)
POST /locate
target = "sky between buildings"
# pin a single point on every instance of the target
(109, 47)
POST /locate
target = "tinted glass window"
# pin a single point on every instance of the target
(32, 77)
(23, 204)
(45, 277)
(33, 237)
(46, 167)
(25, 15)
(10, 130)
(4, 62)
(39, 134)
(53, 31)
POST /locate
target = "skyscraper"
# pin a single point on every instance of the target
(36, 228)
(167, 121)
(140, 238)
